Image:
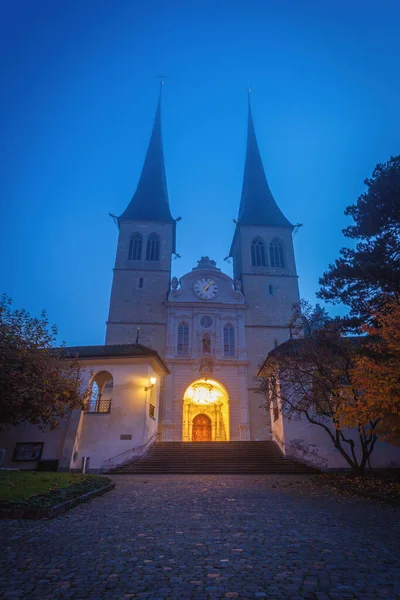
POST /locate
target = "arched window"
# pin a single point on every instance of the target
(206, 343)
(183, 339)
(229, 340)
(100, 393)
(135, 247)
(276, 253)
(153, 247)
(258, 253)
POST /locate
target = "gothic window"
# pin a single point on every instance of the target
(276, 253)
(100, 393)
(229, 340)
(135, 247)
(153, 247)
(206, 344)
(258, 253)
(183, 339)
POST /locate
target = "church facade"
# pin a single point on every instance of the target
(181, 356)
(212, 331)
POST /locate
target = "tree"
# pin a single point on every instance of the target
(361, 277)
(311, 377)
(38, 383)
(377, 373)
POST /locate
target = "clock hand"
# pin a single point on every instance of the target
(207, 286)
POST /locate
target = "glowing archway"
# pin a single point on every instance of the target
(208, 398)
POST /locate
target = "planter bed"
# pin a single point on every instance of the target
(39, 495)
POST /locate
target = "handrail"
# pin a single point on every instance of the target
(137, 451)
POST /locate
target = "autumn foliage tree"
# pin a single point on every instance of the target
(376, 372)
(38, 383)
(312, 377)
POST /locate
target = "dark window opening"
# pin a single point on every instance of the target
(153, 247)
(276, 254)
(258, 253)
(135, 247)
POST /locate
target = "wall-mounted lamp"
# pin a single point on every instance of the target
(153, 381)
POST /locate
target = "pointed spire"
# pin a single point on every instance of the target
(257, 204)
(150, 201)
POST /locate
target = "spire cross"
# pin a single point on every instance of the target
(161, 78)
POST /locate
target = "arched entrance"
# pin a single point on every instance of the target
(205, 412)
(201, 429)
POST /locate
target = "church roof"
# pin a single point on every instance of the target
(150, 201)
(257, 204)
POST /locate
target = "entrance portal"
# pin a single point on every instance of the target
(201, 430)
(205, 415)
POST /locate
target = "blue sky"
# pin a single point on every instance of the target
(78, 95)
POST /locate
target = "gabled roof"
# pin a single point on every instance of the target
(294, 346)
(150, 201)
(257, 205)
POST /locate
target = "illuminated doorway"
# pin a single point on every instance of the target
(205, 412)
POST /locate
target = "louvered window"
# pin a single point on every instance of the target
(276, 254)
(135, 247)
(153, 247)
(258, 253)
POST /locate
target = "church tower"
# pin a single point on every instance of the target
(263, 260)
(146, 243)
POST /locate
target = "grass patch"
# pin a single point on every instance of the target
(20, 489)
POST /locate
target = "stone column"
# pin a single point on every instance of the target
(167, 425)
(244, 427)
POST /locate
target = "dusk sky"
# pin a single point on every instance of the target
(79, 92)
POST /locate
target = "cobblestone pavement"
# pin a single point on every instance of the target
(158, 537)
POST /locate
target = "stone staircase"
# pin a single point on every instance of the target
(234, 458)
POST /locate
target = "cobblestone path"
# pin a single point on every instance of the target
(158, 537)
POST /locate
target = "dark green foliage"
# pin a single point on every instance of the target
(361, 276)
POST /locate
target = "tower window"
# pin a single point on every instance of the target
(141, 282)
(183, 339)
(135, 247)
(229, 340)
(153, 247)
(271, 289)
(258, 253)
(276, 253)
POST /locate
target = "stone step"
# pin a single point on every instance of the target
(214, 458)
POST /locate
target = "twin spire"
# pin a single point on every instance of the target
(150, 201)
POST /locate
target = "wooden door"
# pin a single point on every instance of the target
(201, 431)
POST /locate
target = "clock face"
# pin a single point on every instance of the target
(206, 288)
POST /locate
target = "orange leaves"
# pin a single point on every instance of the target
(376, 373)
